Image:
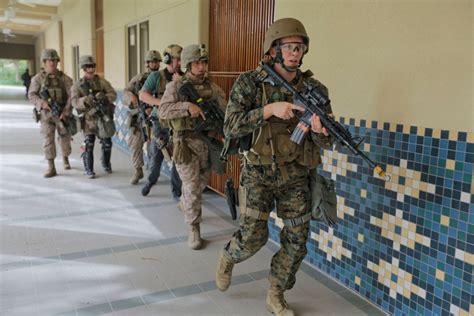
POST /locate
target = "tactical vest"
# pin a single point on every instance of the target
(94, 85)
(55, 86)
(272, 141)
(165, 77)
(189, 123)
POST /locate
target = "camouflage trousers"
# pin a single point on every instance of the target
(195, 177)
(48, 130)
(261, 190)
(135, 142)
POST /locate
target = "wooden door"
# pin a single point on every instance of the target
(236, 33)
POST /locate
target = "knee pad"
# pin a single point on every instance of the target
(106, 144)
(89, 141)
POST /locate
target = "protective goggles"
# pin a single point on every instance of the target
(292, 47)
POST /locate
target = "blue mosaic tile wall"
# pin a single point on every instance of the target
(120, 117)
(406, 245)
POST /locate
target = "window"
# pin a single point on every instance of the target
(138, 39)
(76, 71)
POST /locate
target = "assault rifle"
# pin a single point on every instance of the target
(143, 120)
(56, 108)
(314, 102)
(99, 104)
(214, 115)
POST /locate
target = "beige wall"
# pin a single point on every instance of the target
(77, 30)
(407, 62)
(163, 29)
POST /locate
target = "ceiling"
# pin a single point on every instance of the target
(22, 21)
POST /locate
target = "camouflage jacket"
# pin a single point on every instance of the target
(79, 100)
(63, 81)
(171, 107)
(133, 87)
(244, 112)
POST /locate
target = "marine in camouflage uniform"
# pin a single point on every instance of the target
(130, 97)
(85, 93)
(151, 93)
(191, 152)
(275, 169)
(58, 85)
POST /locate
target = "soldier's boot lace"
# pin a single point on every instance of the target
(224, 272)
(66, 163)
(137, 176)
(146, 188)
(51, 171)
(276, 303)
(194, 237)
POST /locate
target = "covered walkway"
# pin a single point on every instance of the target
(74, 246)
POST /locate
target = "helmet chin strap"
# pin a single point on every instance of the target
(279, 59)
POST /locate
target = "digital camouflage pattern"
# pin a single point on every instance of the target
(194, 174)
(82, 102)
(135, 138)
(263, 188)
(59, 85)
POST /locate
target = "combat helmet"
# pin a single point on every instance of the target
(86, 60)
(49, 54)
(171, 51)
(193, 53)
(283, 28)
(152, 55)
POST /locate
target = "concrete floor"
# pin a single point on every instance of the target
(75, 246)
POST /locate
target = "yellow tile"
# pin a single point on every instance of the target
(419, 238)
(453, 135)
(411, 243)
(420, 131)
(406, 293)
(366, 147)
(403, 172)
(423, 186)
(415, 193)
(450, 164)
(470, 139)
(393, 286)
(472, 309)
(393, 128)
(436, 133)
(409, 183)
(444, 220)
(440, 275)
(406, 129)
(357, 280)
(363, 193)
(405, 233)
(469, 258)
(462, 312)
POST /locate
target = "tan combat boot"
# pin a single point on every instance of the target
(224, 272)
(276, 303)
(51, 172)
(194, 237)
(66, 164)
(137, 175)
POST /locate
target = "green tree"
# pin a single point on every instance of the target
(11, 70)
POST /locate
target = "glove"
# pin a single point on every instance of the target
(100, 96)
(89, 100)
